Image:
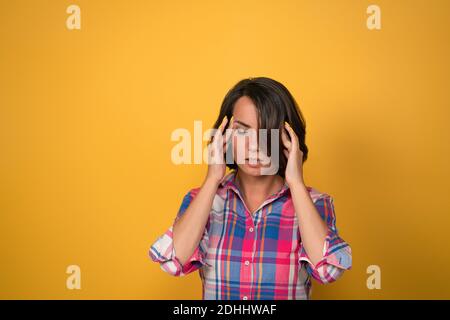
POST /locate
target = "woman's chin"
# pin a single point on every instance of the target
(252, 169)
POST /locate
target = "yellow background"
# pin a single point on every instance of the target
(86, 117)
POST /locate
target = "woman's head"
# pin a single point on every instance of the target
(261, 103)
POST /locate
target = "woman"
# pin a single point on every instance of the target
(253, 235)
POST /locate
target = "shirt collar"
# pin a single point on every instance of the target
(229, 182)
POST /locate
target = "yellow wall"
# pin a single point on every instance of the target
(86, 117)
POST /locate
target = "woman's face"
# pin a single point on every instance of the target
(246, 153)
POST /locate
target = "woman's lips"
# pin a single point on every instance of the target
(255, 162)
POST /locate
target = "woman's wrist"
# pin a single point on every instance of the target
(297, 185)
(211, 181)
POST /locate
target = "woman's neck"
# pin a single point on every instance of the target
(263, 186)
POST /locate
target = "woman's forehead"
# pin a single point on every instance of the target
(245, 112)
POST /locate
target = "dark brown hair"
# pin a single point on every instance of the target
(274, 104)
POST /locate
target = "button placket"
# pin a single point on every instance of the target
(247, 265)
(254, 221)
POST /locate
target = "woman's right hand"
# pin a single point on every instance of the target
(216, 150)
(190, 228)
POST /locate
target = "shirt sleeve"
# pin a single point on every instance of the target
(337, 254)
(163, 250)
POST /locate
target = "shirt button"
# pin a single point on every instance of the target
(251, 229)
(244, 297)
(247, 262)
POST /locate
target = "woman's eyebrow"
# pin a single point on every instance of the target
(242, 123)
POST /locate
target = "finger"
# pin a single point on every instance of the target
(227, 140)
(223, 124)
(219, 130)
(228, 134)
(284, 138)
(230, 126)
(291, 133)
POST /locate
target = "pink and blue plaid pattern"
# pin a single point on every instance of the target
(257, 257)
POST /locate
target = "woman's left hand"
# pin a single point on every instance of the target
(294, 167)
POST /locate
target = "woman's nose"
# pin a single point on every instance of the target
(253, 142)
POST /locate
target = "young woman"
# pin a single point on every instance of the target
(253, 235)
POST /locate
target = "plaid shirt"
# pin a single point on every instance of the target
(241, 256)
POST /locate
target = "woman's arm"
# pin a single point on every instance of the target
(313, 229)
(188, 230)
(327, 255)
